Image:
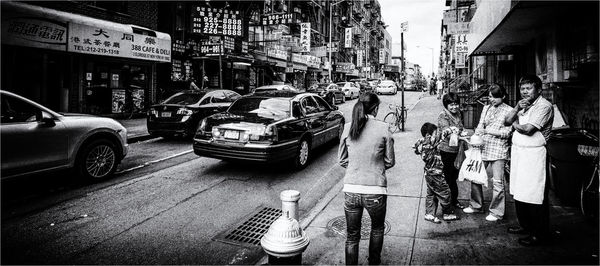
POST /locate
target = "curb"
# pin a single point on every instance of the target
(138, 138)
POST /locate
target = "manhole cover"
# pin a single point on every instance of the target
(251, 230)
(338, 225)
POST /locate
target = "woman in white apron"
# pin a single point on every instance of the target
(532, 120)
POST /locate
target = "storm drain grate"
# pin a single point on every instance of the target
(252, 229)
(338, 225)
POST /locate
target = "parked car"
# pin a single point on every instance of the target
(283, 87)
(362, 84)
(35, 139)
(329, 91)
(350, 89)
(386, 87)
(270, 127)
(373, 82)
(180, 114)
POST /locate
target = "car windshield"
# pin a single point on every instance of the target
(386, 83)
(273, 108)
(321, 87)
(183, 98)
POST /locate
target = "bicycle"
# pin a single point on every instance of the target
(396, 117)
(589, 191)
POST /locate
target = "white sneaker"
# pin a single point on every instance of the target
(491, 218)
(469, 210)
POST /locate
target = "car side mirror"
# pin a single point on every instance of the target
(47, 120)
(296, 111)
(335, 107)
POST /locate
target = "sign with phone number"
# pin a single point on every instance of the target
(217, 21)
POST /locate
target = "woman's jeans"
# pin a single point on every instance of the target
(353, 207)
(498, 196)
(451, 174)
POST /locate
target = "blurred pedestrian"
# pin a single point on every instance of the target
(451, 126)
(495, 137)
(532, 120)
(437, 188)
(366, 151)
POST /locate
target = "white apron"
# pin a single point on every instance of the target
(528, 165)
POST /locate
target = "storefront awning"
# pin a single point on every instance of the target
(522, 23)
(40, 27)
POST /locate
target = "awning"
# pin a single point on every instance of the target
(524, 21)
(40, 27)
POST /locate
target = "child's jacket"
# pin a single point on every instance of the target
(430, 155)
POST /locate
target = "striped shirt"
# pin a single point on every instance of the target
(541, 115)
(492, 120)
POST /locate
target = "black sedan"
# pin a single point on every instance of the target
(270, 127)
(329, 91)
(180, 114)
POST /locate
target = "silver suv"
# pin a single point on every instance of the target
(35, 139)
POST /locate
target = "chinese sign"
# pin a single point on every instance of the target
(103, 41)
(344, 67)
(34, 32)
(381, 56)
(348, 38)
(178, 46)
(217, 21)
(276, 53)
(305, 37)
(313, 61)
(276, 19)
(458, 28)
(298, 58)
(461, 49)
(212, 46)
(360, 58)
(319, 51)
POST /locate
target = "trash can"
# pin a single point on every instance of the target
(566, 166)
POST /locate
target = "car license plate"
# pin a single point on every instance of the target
(165, 114)
(231, 134)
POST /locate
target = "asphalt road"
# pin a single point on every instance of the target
(164, 206)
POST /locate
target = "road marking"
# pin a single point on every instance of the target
(153, 162)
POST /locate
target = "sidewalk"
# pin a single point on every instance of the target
(470, 240)
(136, 129)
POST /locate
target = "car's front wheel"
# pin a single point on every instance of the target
(302, 154)
(97, 160)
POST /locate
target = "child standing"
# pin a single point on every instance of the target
(437, 188)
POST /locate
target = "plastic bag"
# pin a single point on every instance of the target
(460, 157)
(453, 140)
(473, 168)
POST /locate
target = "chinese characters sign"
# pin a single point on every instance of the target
(33, 32)
(344, 67)
(305, 37)
(212, 46)
(276, 19)
(360, 58)
(348, 38)
(103, 41)
(461, 49)
(217, 21)
(458, 28)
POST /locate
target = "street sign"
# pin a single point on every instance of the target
(404, 26)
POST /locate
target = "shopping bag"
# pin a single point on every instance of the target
(473, 169)
(460, 157)
(453, 142)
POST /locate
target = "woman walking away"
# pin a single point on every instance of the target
(366, 151)
(495, 152)
(451, 125)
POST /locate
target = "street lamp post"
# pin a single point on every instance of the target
(329, 46)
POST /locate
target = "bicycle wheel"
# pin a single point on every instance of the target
(393, 124)
(589, 196)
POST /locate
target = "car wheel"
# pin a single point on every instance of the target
(97, 160)
(302, 154)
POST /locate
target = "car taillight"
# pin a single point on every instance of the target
(216, 132)
(153, 112)
(587, 151)
(184, 111)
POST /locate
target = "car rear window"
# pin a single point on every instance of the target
(184, 98)
(274, 108)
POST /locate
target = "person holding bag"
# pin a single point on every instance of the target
(495, 137)
(366, 150)
(450, 125)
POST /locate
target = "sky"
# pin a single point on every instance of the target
(424, 19)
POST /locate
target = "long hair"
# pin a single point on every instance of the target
(366, 104)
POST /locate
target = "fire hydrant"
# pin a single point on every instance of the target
(285, 240)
